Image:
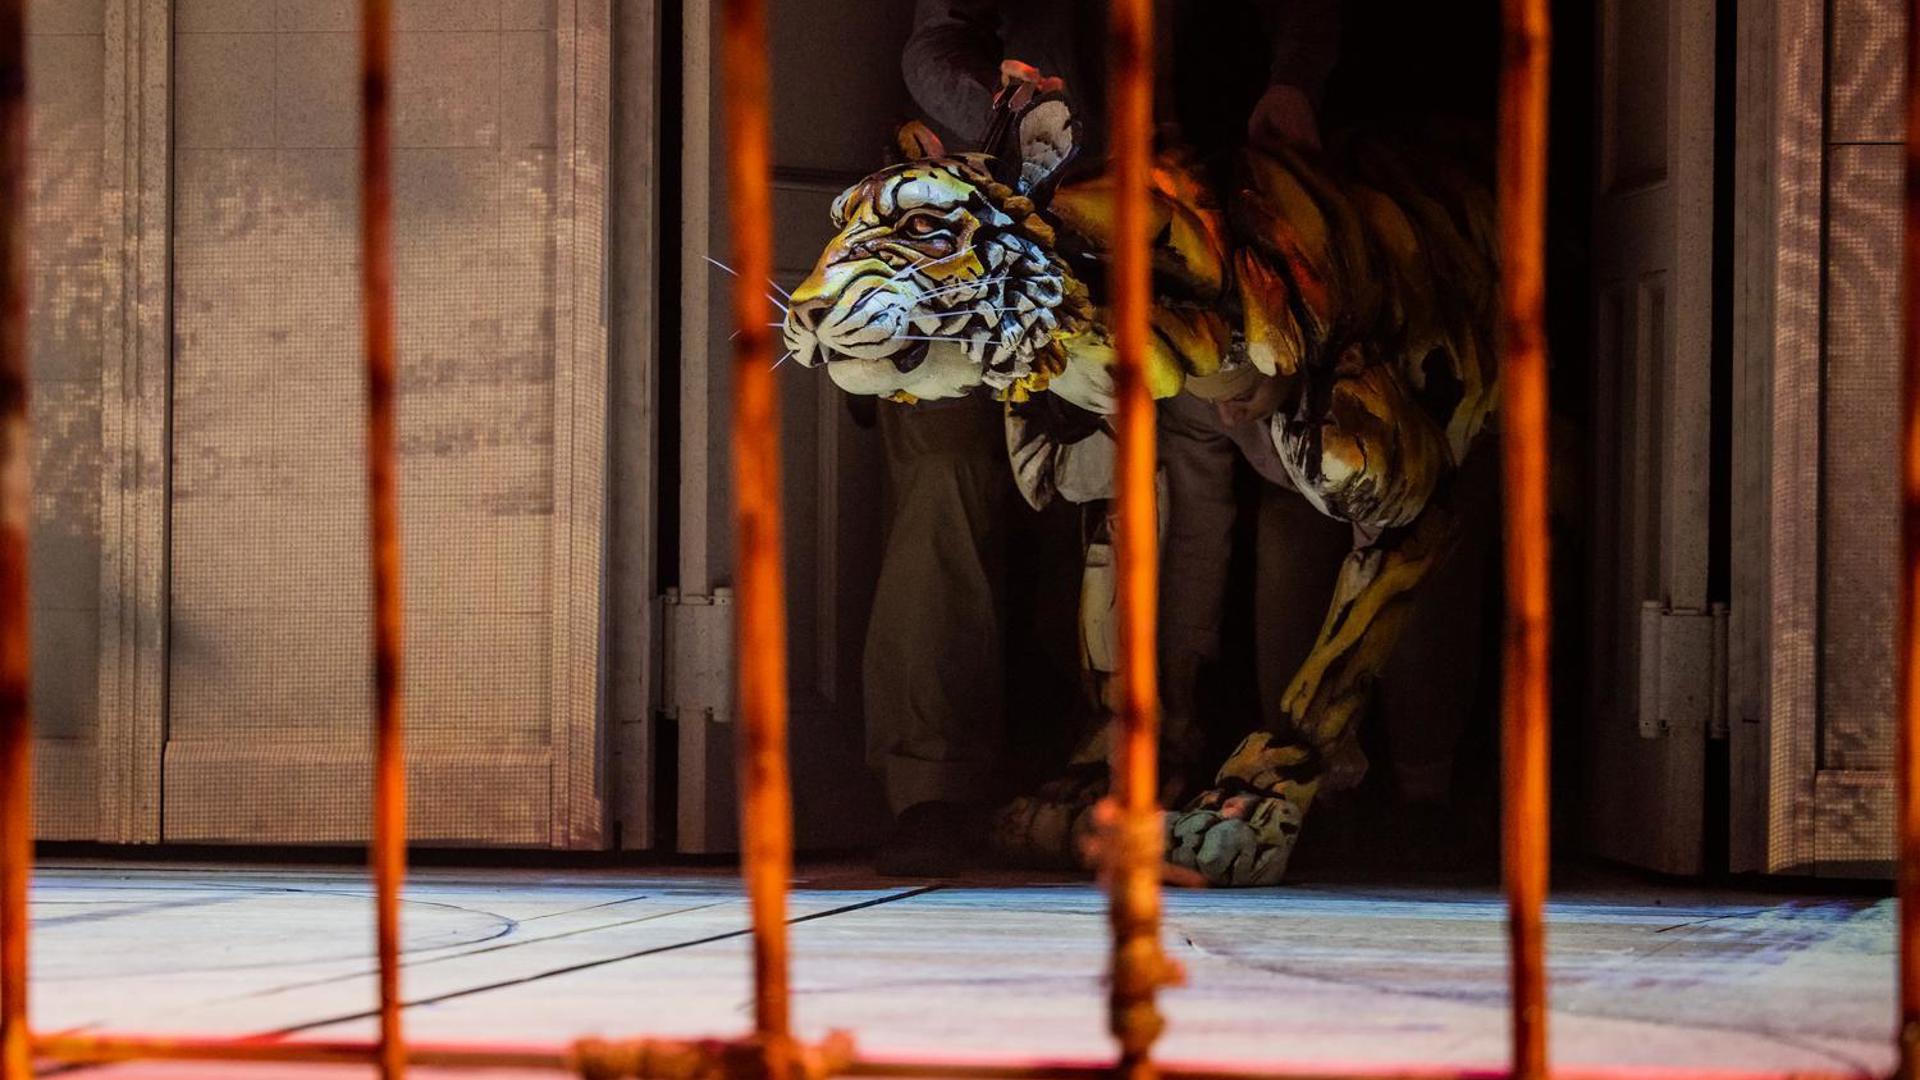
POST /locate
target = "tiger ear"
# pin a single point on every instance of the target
(1032, 134)
(917, 142)
(1049, 140)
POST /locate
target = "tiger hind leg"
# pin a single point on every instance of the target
(1242, 831)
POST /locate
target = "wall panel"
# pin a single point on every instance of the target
(66, 59)
(1860, 485)
(270, 700)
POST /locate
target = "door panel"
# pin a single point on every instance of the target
(1859, 509)
(1860, 492)
(836, 96)
(500, 129)
(1652, 673)
(1815, 534)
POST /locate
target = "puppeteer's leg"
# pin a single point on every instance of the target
(1197, 462)
(1043, 827)
(1196, 548)
(1197, 459)
(1242, 831)
(933, 665)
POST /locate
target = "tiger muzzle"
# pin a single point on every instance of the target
(865, 319)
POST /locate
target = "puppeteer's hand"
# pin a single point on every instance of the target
(1284, 117)
(1014, 71)
(1257, 402)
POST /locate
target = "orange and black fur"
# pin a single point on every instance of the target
(1362, 281)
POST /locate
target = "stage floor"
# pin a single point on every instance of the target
(1323, 972)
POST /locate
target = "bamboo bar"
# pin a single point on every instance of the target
(767, 811)
(85, 1049)
(376, 262)
(16, 508)
(910, 1068)
(1139, 967)
(108, 1049)
(1524, 705)
(1907, 678)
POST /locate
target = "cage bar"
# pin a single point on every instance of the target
(658, 1057)
(1138, 966)
(16, 512)
(389, 847)
(1907, 677)
(1133, 871)
(1524, 700)
(766, 819)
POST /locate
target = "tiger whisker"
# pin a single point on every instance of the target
(770, 297)
(962, 286)
(980, 284)
(910, 268)
(998, 309)
(934, 337)
(924, 263)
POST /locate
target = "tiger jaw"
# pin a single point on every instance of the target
(943, 371)
(886, 326)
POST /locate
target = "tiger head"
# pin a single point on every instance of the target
(943, 275)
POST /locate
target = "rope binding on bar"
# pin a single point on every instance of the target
(705, 1059)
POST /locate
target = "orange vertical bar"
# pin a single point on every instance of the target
(376, 287)
(16, 505)
(1134, 876)
(1907, 678)
(1524, 707)
(767, 818)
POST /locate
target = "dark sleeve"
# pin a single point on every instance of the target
(1306, 42)
(952, 62)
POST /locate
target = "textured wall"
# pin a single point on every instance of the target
(1860, 478)
(1860, 488)
(1860, 432)
(269, 604)
(65, 57)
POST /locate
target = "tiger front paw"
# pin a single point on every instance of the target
(1050, 827)
(1235, 840)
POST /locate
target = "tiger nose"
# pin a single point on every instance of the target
(807, 313)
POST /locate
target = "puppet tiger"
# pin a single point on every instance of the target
(1362, 284)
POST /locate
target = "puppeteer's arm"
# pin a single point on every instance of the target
(1306, 42)
(1305, 37)
(952, 62)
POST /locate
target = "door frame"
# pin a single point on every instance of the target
(1773, 658)
(584, 129)
(1649, 711)
(121, 763)
(826, 457)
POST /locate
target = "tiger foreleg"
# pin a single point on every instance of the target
(1242, 830)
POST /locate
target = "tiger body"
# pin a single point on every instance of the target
(1363, 289)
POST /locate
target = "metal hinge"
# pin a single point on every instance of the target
(1683, 671)
(698, 681)
(697, 702)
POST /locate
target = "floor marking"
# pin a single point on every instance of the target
(570, 969)
(496, 947)
(125, 910)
